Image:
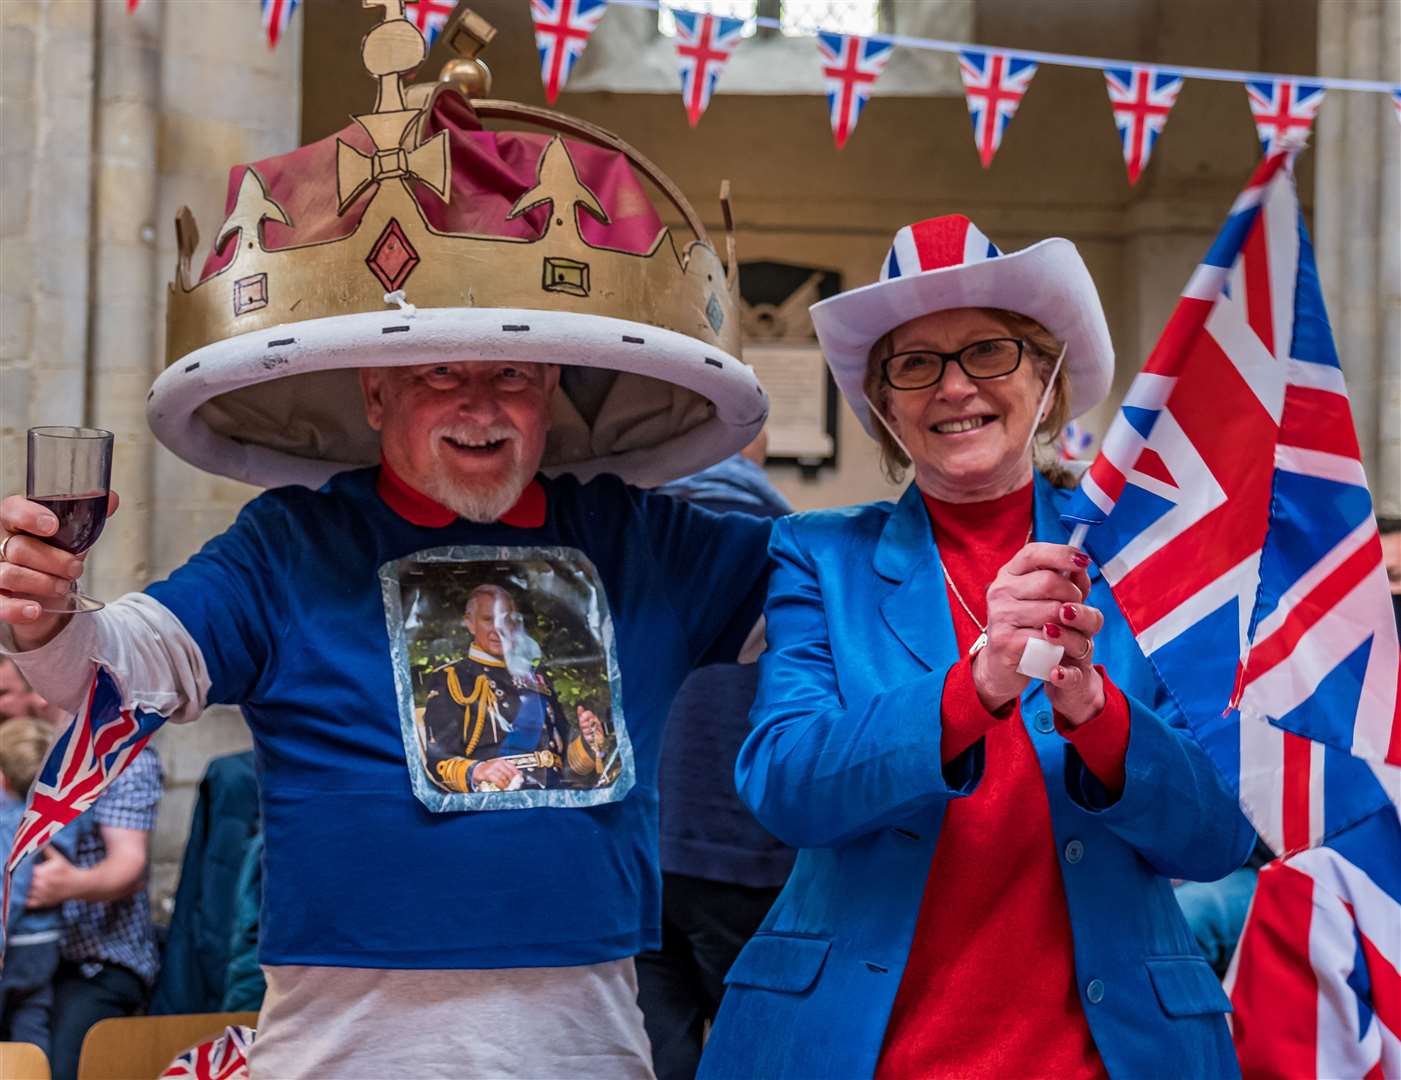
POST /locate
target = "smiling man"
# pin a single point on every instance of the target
(414, 928)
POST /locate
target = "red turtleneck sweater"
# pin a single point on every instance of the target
(990, 988)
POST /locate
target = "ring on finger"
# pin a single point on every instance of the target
(1089, 648)
(3, 544)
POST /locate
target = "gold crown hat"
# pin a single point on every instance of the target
(416, 236)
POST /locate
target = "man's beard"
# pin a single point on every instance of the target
(480, 500)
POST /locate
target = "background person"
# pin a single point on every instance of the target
(32, 935)
(721, 871)
(962, 830)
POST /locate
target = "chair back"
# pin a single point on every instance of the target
(140, 1047)
(22, 1061)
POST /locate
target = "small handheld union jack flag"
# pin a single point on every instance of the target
(99, 742)
(1396, 103)
(277, 15)
(430, 16)
(1282, 107)
(704, 44)
(562, 29)
(850, 66)
(224, 1058)
(993, 84)
(1142, 98)
(1074, 441)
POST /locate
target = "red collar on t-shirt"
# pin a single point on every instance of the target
(418, 509)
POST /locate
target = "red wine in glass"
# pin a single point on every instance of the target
(80, 519)
(70, 472)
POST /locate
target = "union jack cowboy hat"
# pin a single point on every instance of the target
(947, 262)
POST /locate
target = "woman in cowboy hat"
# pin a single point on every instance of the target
(984, 882)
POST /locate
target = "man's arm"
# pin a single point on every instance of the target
(120, 875)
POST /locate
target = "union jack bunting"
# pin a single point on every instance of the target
(994, 84)
(1282, 107)
(850, 67)
(562, 29)
(430, 16)
(99, 742)
(1232, 520)
(224, 1058)
(1141, 98)
(704, 44)
(1316, 978)
(277, 15)
(1074, 441)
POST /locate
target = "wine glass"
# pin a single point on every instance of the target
(70, 471)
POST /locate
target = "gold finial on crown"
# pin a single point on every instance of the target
(391, 50)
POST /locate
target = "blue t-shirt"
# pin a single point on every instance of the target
(332, 621)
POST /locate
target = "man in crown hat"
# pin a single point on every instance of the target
(382, 326)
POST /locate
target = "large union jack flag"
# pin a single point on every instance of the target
(994, 84)
(224, 1058)
(1141, 98)
(277, 16)
(562, 29)
(1283, 109)
(1316, 979)
(430, 16)
(704, 44)
(850, 67)
(1233, 522)
(99, 742)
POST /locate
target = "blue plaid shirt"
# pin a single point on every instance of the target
(118, 931)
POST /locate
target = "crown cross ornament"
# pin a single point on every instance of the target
(532, 248)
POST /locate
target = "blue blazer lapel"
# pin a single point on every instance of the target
(917, 609)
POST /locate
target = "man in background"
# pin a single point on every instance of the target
(720, 871)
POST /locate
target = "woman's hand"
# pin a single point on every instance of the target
(1040, 593)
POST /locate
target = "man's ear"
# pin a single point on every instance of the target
(372, 390)
(551, 379)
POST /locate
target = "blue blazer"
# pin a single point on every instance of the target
(843, 763)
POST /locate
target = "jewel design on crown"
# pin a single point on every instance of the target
(393, 246)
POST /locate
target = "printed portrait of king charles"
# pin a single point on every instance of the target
(492, 720)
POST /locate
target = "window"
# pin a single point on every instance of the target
(806, 17)
(798, 18)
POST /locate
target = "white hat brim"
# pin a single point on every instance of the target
(331, 349)
(1048, 282)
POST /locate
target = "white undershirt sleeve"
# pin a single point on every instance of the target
(147, 650)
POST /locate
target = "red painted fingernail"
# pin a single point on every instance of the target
(1051, 630)
(1081, 559)
(1067, 612)
(1058, 674)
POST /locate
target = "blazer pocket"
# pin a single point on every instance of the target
(784, 962)
(1186, 986)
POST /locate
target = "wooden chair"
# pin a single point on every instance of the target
(140, 1047)
(22, 1061)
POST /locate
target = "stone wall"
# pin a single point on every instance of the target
(111, 121)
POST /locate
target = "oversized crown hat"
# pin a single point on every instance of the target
(416, 236)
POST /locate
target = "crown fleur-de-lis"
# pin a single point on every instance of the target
(252, 207)
(557, 182)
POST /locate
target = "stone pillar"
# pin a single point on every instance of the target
(1358, 228)
(46, 117)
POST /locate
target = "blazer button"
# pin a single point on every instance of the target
(1043, 723)
(1074, 851)
(1094, 992)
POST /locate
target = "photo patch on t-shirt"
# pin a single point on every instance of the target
(507, 678)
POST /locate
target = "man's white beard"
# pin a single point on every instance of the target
(480, 501)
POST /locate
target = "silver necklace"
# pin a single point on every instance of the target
(981, 643)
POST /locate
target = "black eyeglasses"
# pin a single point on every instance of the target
(919, 368)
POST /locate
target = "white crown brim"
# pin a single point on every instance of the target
(436, 335)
